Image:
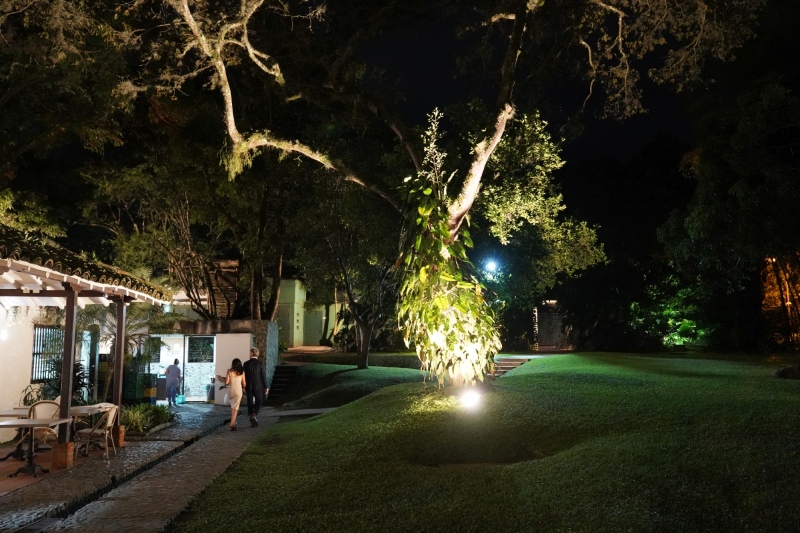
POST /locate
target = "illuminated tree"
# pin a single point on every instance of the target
(307, 57)
(442, 308)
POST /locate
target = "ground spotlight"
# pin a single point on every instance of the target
(470, 398)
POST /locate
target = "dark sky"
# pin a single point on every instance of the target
(620, 139)
(422, 66)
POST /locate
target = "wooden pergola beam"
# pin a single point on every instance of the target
(119, 352)
(50, 293)
(67, 361)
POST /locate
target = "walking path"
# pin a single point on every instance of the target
(145, 486)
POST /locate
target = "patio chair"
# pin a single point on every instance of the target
(100, 432)
(44, 409)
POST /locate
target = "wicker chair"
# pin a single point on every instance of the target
(44, 409)
(100, 432)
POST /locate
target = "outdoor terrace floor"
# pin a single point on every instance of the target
(160, 474)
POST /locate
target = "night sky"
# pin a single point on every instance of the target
(422, 66)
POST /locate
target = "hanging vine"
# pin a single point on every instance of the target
(442, 311)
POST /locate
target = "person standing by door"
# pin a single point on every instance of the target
(173, 374)
(256, 389)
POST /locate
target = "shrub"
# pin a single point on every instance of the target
(139, 418)
(136, 418)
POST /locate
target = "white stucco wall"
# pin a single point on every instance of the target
(16, 357)
(229, 347)
(291, 314)
(171, 349)
(314, 322)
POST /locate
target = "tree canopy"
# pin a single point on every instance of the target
(292, 84)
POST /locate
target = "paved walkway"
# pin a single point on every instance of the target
(145, 486)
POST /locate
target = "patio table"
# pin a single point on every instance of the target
(15, 412)
(86, 410)
(32, 424)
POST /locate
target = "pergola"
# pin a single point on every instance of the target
(36, 273)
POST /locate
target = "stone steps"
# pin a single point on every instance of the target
(282, 383)
(503, 365)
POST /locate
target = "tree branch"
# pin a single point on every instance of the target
(459, 209)
(243, 145)
(483, 151)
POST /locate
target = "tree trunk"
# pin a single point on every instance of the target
(363, 338)
(786, 329)
(256, 292)
(337, 321)
(326, 322)
(275, 294)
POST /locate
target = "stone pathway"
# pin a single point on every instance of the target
(146, 486)
(150, 501)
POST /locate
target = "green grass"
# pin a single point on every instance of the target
(326, 385)
(575, 443)
(394, 359)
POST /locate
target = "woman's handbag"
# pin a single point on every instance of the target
(226, 400)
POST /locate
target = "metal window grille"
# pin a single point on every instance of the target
(200, 350)
(48, 344)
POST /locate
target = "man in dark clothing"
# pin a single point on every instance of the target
(256, 385)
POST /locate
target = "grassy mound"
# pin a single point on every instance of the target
(564, 443)
(398, 360)
(333, 385)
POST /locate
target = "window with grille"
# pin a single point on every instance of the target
(200, 350)
(48, 346)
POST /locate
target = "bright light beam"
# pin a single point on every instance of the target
(491, 266)
(470, 398)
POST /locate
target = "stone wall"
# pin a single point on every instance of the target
(270, 351)
(197, 379)
(265, 332)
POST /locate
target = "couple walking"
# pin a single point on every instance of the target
(251, 379)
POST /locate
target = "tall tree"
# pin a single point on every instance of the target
(343, 247)
(742, 219)
(308, 56)
(737, 237)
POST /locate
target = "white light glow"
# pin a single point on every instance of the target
(470, 399)
(491, 266)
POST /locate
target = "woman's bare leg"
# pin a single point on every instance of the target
(234, 412)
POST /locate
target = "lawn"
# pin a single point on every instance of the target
(580, 442)
(332, 385)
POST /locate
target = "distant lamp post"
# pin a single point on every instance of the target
(491, 269)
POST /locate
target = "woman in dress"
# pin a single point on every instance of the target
(235, 381)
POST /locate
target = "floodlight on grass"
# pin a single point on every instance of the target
(470, 398)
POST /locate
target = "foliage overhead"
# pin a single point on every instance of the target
(741, 226)
(293, 80)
